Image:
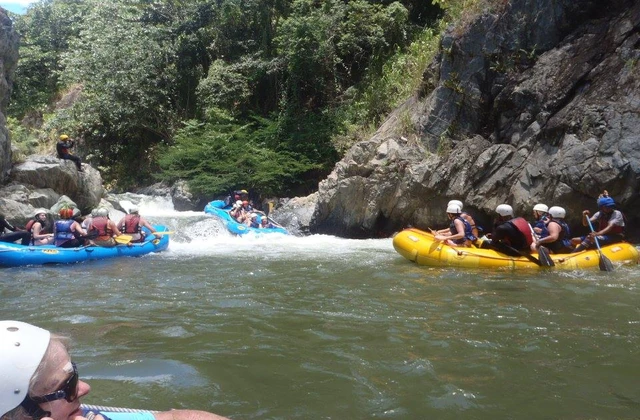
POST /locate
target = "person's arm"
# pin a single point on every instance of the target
(4, 224)
(115, 228)
(187, 415)
(613, 221)
(146, 224)
(459, 229)
(554, 233)
(77, 228)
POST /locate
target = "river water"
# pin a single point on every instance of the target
(321, 327)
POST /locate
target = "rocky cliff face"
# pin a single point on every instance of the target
(538, 102)
(8, 60)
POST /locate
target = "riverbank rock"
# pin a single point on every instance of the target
(9, 41)
(60, 177)
(537, 102)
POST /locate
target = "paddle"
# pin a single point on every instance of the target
(544, 257)
(168, 232)
(123, 239)
(604, 263)
(524, 254)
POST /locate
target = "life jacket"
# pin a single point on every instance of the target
(63, 231)
(30, 223)
(131, 223)
(565, 232)
(474, 228)
(100, 225)
(524, 227)
(468, 231)
(603, 221)
(542, 225)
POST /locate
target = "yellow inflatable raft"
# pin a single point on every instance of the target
(422, 248)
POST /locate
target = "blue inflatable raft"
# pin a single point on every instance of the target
(13, 255)
(220, 210)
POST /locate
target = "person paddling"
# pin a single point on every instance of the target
(609, 229)
(460, 232)
(132, 224)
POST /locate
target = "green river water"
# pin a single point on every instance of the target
(321, 327)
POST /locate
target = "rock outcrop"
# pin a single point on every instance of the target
(42, 181)
(539, 102)
(8, 60)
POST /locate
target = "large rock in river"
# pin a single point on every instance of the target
(61, 176)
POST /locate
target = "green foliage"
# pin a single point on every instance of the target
(45, 33)
(271, 89)
(24, 141)
(220, 154)
(328, 46)
(384, 90)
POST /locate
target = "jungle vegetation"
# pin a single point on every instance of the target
(259, 94)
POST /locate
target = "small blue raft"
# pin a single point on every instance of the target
(220, 210)
(14, 255)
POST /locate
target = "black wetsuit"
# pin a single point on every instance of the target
(22, 235)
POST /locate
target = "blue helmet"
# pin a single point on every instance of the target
(606, 201)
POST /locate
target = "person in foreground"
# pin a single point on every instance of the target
(609, 229)
(39, 381)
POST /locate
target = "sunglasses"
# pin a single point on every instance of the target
(69, 391)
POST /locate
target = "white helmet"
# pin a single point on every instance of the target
(557, 212)
(541, 207)
(102, 212)
(94, 212)
(455, 202)
(454, 209)
(39, 211)
(239, 203)
(504, 210)
(22, 347)
(133, 209)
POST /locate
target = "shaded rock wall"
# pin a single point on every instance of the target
(538, 102)
(8, 60)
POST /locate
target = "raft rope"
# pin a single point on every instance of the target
(115, 409)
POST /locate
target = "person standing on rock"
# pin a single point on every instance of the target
(63, 147)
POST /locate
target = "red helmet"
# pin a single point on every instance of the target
(66, 213)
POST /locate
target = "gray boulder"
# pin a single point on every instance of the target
(47, 172)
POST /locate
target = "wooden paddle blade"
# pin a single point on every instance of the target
(605, 263)
(545, 258)
(123, 239)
